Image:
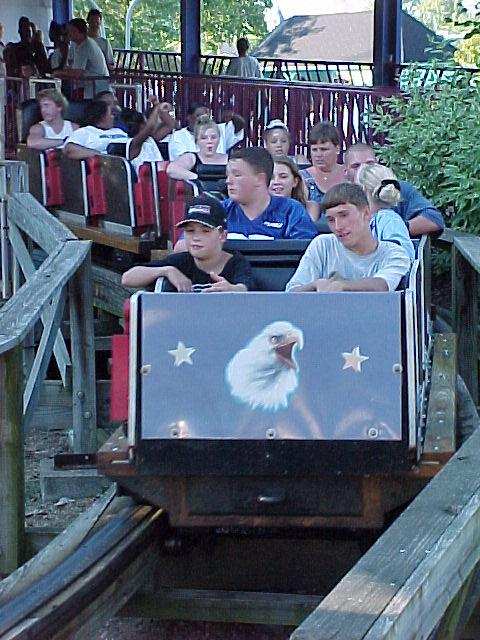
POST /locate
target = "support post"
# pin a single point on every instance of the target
(62, 10)
(465, 319)
(190, 35)
(83, 360)
(12, 510)
(387, 36)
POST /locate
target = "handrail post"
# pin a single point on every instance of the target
(465, 319)
(3, 116)
(12, 509)
(83, 360)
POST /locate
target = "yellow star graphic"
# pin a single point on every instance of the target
(182, 354)
(354, 360)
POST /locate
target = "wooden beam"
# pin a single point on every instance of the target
(221, 606)
(26, 264)
(440, 430)
(131, 244)
(23, 310)
(42, 358)
(83, 360)
(30, 216)
(403, 585)
(12, 511)
(465, 263)
(108, 292)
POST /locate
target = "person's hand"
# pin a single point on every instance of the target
(329, 284)
(166, 106)
(181, 283)
(219, 284)
(154, 101)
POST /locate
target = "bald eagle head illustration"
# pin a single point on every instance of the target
(265, 373)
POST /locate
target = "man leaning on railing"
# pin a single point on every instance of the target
(85, 60)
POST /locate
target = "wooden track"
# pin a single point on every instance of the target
(78, 591)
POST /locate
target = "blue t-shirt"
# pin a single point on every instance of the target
(284, 218)
(414, 204)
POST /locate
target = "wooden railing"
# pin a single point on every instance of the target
(39, 302)
(299, 105)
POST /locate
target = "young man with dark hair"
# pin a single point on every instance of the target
(28, 57)
(85, 60)
(350, 258)
(94, 138)
(204, 266)
(183, 140)
(419, 214)
(244, 66)
(94, 21)
(251, 211)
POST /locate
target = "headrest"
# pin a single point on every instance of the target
(212, 171)
(76, 111)
(30, 115)
(117, 149)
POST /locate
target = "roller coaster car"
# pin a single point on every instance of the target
(103, 191)
(274, 409)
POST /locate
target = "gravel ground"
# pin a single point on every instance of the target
(41, 444)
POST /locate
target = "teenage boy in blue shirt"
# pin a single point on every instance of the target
(251, 211)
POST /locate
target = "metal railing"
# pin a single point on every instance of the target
(39, 302)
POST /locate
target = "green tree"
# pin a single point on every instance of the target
(156, 23)
(431, 142)
(432, 13)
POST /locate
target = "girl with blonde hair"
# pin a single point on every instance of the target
(383, 192)
(207, 138)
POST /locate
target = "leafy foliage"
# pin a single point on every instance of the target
(156, 23)
(432, 141)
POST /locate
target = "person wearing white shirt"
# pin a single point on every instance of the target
(52, 131)
(244, 66)
(85, 60)
(99, 133)
(183, 140)
(350, 258)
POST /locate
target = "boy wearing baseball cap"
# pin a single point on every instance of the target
(204, 266)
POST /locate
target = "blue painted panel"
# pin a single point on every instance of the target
(271, 365)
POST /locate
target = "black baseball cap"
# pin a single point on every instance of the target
(206, 211)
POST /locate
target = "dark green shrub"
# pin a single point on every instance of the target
(432, 140)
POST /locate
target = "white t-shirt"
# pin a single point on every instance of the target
(326, 255)
(183, 141)
(244, 67)
(98, 139)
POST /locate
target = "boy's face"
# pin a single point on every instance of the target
(242, 181)
(349, 223)
(203, 242)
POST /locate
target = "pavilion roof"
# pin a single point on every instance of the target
(343, 37)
